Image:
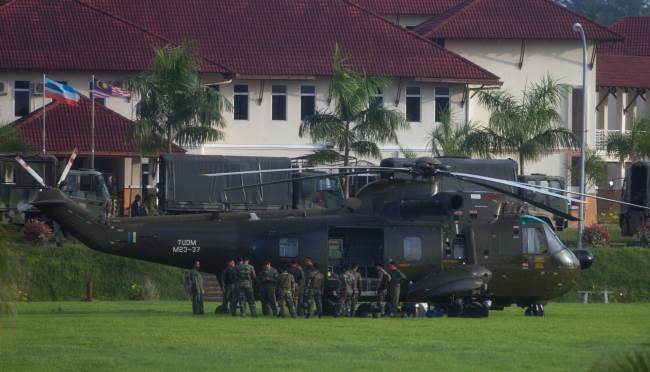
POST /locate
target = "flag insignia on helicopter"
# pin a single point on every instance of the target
(132, 237)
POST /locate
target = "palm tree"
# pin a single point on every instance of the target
(358, 121)
(448, 139)
(174, 106)
(11, 142)
(633, 144)
(595, 169)
(528, 126)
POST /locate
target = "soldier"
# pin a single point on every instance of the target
(395, 282)
(315, 285)
(303, 298)
(268, 279)
(245, 277)
(195, 284)
(286, 287)
(299, 279)
(383, 279)
(347, 287)
(228, 283)
(357, 293)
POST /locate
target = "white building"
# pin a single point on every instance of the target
(521, 41)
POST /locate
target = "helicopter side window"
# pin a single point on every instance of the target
(288, 247)
(412, 248)
(533, 241)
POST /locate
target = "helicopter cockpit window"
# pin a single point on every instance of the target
(288, 247)
(534, 240)
(412, 248)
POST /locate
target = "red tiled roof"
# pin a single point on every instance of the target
(67, 127)
(70, 35)
(511, 19)
(626, 63)
(296, 37)
(390, 7)
(636, 33)
(623, 71)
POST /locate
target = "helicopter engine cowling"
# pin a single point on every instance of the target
(440, 204)
(585, 257)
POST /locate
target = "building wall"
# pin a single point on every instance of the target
(79, 81)
(259, 135)
(560, 59)
(408, 20)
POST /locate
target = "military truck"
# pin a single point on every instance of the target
(539, 179)
(635, 191)
(182, 188)
(18, 188)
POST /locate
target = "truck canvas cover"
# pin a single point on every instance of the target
(183, 188)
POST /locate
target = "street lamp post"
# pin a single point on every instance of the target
(581, 224)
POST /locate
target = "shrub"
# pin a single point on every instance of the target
(596, 234)
(37, 231)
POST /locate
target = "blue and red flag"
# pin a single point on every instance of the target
(61, 92)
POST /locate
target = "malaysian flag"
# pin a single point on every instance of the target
(103, 89)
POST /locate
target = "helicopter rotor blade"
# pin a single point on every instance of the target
(304, 169)
(73, 156)
(511, 183)
(29, 170)
(290, 180)
(592, 196)
(517, 196)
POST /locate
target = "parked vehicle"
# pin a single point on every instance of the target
(558, 183)
(635, 191)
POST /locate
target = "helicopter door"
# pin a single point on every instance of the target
(363, 246)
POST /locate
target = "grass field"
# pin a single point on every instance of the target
(165, 336)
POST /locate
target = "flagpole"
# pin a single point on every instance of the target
(43, 114)
(92, 146)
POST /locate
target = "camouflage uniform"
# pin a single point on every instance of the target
(195, 284)
(299, 284)
(347, 287)
(228, 283)
(245, 277)
(382, 291)
(357, 292)
(268, 280)
(315, 285)
(303, 297)
(286, 286)
(396, 277)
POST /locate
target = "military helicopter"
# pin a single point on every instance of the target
(464, 251)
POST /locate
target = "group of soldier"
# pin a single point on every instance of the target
(297, 288)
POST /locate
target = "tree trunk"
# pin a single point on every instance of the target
(346, 156)
(169, 140)
(521, 164)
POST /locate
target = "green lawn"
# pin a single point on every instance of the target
(165, 336)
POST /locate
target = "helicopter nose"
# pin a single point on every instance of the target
(585, 257)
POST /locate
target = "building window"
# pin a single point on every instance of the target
(413, 104)
(307, 101)
(412, 248)
(441, 102)
(279, 102)
(576, 111)
(22, 97)
(241, 102)
(377, 98)
(288, 247)
(100, 100)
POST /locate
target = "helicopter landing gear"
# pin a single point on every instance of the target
(534, 310)
(459, 309)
